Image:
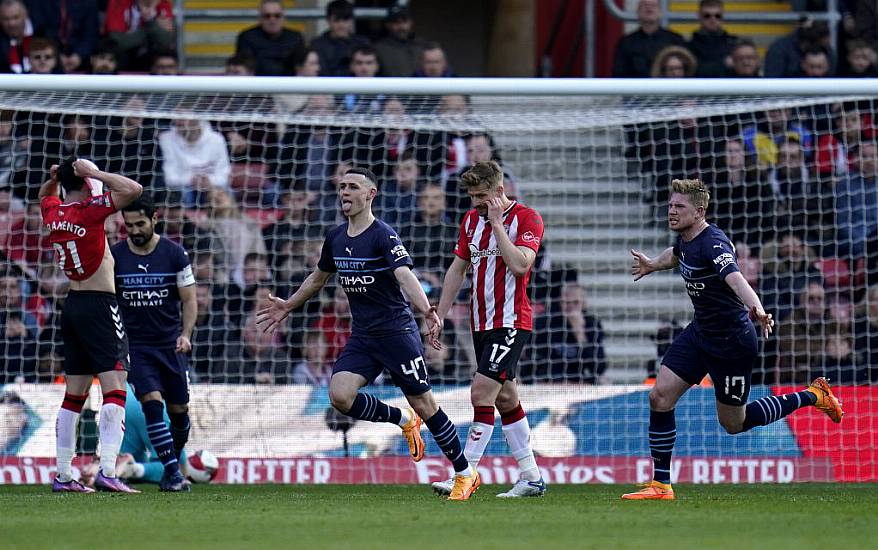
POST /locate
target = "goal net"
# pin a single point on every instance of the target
(246, 183)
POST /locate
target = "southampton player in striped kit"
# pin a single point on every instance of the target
(721, 341)
(95, 342)
(499, 240)
(374, 268)
(156, 289)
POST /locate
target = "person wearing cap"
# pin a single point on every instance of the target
(399, 51)
(335, 46)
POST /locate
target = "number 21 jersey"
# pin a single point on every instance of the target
(76, 231)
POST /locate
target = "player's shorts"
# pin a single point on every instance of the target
(94, 337)
(401, 354)
(162, 370)
(729, 362)
(498, 351)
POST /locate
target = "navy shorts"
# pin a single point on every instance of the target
(401, 354)
(162, 370)
(95, 340)
(498, 351)
(729, 362)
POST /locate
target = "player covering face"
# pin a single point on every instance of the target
(95, 341)
(721, 341)
(374, 268)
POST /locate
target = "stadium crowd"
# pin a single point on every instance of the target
(795, 188)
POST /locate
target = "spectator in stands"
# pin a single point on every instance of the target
(140, 29)
(240, 65)
(802, 338)
(241, 293)
(336, 45)
(11, 157)
(305, 62)
(26, 245)
(178, 227)
(748, 262)
(335, 323)
(862, 60)
(164, 64)
(432, 62)
(129, 145)
(673, 62)
(43, 57)
(763, 138)
(745, 60)
(19, 328)
(76, 137)
(239, 234)
(635, 51)
(15, 38)
(480, 147)
(833, 156)
(784, 56)
(815, 63)
(364, 64)
(72, 25)
(430, 235)
(857, 201)
(860, 21)
(569, 342)
(743, 200)
(297, 224)
(269, 42)
(263, 352)
(313, 369)
(210, 337)
(399, 51)
(711, 44)
(196, 160)
(397, 199)
(103, 59)
(11, 212)
(787, 267)
(865, 331)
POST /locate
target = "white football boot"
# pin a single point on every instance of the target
(525, 488)
(443, 487)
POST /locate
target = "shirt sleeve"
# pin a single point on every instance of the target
(530, 231)
(184, 269)
(96, 209)
(461, 249)
(725, 261)
(47, 204)
(394, 252)
(326, 262)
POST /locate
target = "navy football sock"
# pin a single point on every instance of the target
(774, 407)
(367, 407)
(159, 435)
(445, 434)
(179, 431)
(662, 436)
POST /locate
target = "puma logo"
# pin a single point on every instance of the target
(349, 250)
(145, 268)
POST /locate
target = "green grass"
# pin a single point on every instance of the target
(340, 516)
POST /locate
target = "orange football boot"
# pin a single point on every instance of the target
(826, 401)
(653, 490)
(412, 433)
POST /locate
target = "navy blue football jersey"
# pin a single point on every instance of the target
(146, 287)
(365, 266)
(705, 262)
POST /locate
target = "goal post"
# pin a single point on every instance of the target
(787, 162)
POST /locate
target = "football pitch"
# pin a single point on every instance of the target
(345, 516)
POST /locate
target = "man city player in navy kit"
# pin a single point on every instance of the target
(721, 341)
(153, 279)
(373, 268)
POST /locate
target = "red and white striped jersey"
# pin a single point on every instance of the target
(499, 298)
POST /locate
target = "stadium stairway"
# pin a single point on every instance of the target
(763, 34)
(593, 215)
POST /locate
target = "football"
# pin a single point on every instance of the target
(202, 466)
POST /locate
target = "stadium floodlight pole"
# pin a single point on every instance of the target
(442, 86)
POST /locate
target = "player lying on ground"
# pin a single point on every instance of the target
(155, 284)
(95, 342)
(499, 239)
(374, 269)
(720, 341)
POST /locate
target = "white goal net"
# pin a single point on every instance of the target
(245, 182)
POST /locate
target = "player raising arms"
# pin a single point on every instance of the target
(499, 238)
(95, 342)
(720, 341)
(373, 267)
(154, 278)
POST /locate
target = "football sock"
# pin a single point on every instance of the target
(479, 434)
(774, 407)
(111, 430)
(367, 407)
(179, 431)
(662, 436)
(159, 435)
(445, 434)
(517, 431)
(65, 433)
